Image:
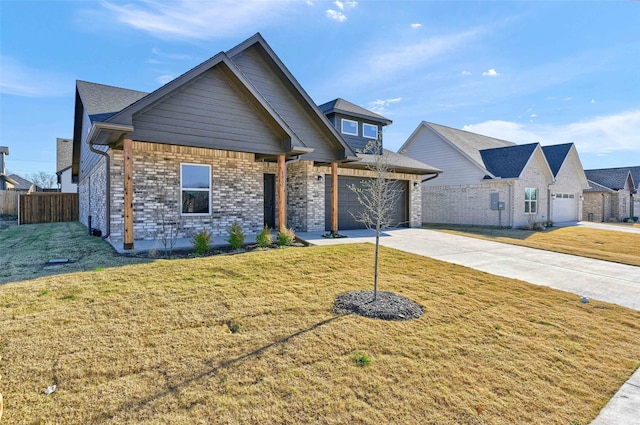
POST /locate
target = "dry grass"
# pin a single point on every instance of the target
(151, 343)
(608, 245)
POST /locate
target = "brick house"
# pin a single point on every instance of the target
(234, 139)
(492, 182)
(612, 195)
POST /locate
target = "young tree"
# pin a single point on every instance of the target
(43, 180)
(378, 197)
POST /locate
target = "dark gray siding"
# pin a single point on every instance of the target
(209, 112)
(289, 107)
(358, 143)
(88, 159)
(348, 203)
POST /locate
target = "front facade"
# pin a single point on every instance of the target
(234, 139)
(612, 195)
(493, 182)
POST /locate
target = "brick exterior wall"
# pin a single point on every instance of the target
(607, 206)
(92, 196)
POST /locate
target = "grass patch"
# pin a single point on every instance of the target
(607, 245)
(155, 343)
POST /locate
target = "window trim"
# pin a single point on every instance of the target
(198, 189)
(370, 125)
(530, 202)
(342, 121)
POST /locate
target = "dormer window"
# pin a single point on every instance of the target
(370, 131)
(349, 127)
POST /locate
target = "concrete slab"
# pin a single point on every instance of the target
(623, 408)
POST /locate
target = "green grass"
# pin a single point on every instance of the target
(252, 338)
(607, 245)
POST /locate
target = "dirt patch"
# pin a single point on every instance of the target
(387, 306)
(178, 254)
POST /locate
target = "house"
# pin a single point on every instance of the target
(234, 139)
(612, 195)
(23, 185)
(492, 182)
(6, 182)
(64, 155)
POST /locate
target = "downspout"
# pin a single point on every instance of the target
(510, 204)
(108, 188)
(430, 178)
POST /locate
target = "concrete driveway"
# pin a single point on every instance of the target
(596, 279)
(600, 280)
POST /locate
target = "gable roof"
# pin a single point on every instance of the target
(507, 162)
(612, 178)
(345, 107)
(102, 102)
(556, 154)
(22, 184)
(397, 162)
(635, 173)
(595, 187)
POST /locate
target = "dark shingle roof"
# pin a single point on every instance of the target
(507, 161)
(635, 173)
(4, 150)
(340, 105)
(101, 101)
(469, 143)
(612, 178)
(595, 187)
(556, 155)
(23, 184)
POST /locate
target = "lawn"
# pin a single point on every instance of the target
(252, 338)
(608, 245)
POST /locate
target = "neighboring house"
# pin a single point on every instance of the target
(23, 185)
(64, 157)
(234, 139)
(6, 183)
(493, 182)
(612, 194)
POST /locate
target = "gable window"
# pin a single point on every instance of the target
(530, 200)
(370, 131)
(349, 127)
(195, 189)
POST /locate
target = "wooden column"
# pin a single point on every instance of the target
(282, 201)
(128, 193)
(334, 197)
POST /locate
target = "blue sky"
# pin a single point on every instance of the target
(541, 71)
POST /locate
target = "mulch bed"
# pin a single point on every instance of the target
(387, 306)
(219, 250)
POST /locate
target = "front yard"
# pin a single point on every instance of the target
(608, 245)
(252, 339)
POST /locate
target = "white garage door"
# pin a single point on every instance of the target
(565, 207)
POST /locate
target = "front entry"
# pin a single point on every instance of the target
(270, 200)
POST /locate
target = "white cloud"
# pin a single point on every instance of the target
(380, 106)
(339, 4)
(416, 25)
(490, 73)
(465, 73)
(598, 135)
(172, 56)
(164, 79)
(194, 19)
(593, 101)
(336, 16)
(351, 4)
(19, 79)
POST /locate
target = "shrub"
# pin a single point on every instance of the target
(548, 223)
(236, 236)
(538, 226)
(264, 239)
(286, 237)
(362, 359)
(201, 242)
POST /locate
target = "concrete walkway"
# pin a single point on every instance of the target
(600, 280)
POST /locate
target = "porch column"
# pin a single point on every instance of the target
(282, 221)
(128, 193)
(334, 197)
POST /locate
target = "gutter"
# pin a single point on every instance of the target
(430, 178)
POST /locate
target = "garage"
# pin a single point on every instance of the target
(565, 207)
(348, 203)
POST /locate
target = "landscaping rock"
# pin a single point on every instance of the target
(388, 305)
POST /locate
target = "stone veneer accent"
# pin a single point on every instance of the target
(236, 191)
(92, 196)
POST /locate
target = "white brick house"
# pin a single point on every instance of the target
(492, 182)
(234, 139)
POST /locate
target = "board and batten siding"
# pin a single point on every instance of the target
(88, 159)
(457, 169)
(209, 112)
(281, 98)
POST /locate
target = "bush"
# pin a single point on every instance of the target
(236, 236)
(264, 239)
(201, 242)
(286, 237)
(538, 226)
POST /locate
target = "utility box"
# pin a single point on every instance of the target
(495, 200)
(500, 205)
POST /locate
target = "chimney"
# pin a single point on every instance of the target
(3, 151)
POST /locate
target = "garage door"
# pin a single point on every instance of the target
(348, 203)
(565, 207)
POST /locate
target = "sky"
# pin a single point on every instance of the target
(525, 71)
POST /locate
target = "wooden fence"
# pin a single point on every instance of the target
(8, 202)
(48, 208)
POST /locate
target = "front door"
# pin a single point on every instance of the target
(270, 200)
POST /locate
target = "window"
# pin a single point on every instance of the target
(350, 127)
(530, 200)
(370, 131)
(195, 189)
